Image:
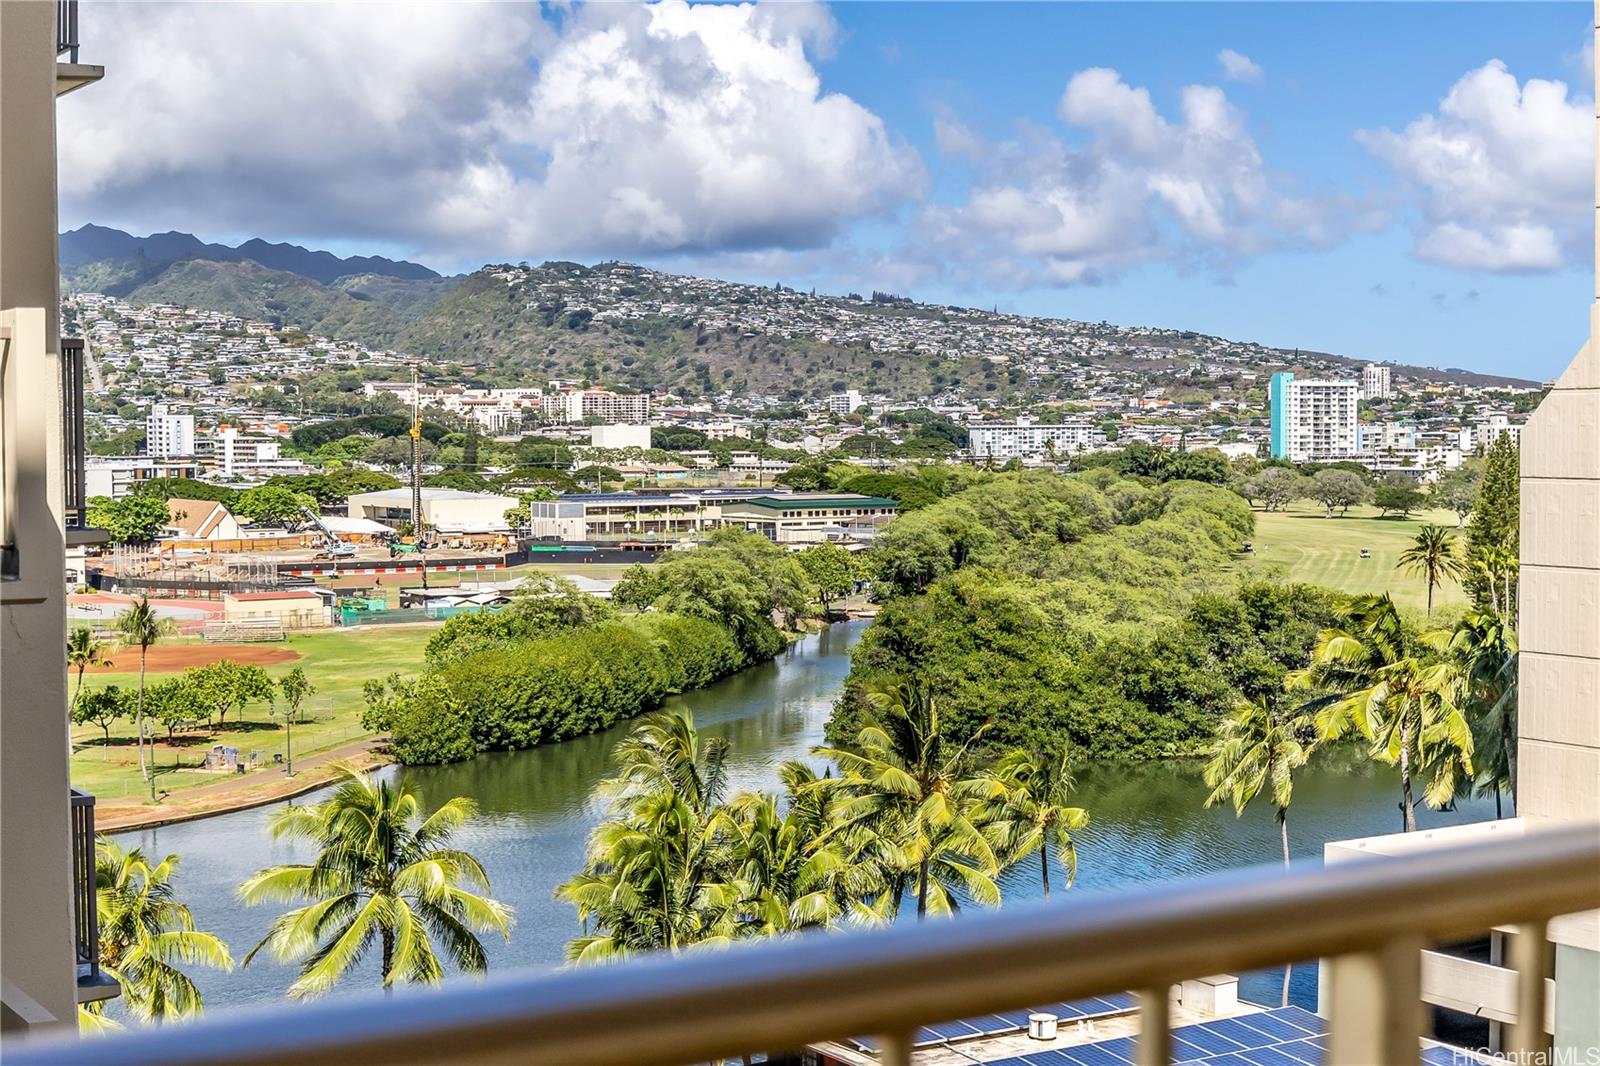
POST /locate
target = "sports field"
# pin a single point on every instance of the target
(338, 662)
(1304, 546)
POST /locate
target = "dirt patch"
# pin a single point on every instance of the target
(173, 658)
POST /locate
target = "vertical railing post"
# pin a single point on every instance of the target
(1530, 957)
(86, 923)
(1154, 1045)
(1375, 1005)
(894, 1049)
(74, 446)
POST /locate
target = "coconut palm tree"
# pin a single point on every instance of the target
(1377, 679)
(383, 873)
(145, 933)
(1027, 809)
(1258, 748)
(657, 875)
(1484, 647)
(1433, 555)
(84, 651)
(911, 788)
(141, 627)
(789, 873)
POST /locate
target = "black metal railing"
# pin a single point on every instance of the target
(74, 450)
(85, 919)
(67, 29)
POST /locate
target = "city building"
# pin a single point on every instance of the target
(1312, 419)
(1027, 440)
(1375, 382)
(443, 510)
(577, 405)
(238, 453)
(844, 403)
(200, 520)
(168, 434)
(620, 435)
(811, 517)
(1485, 433)
(115, 475)
(292, 608)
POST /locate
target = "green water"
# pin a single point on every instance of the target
(1148, 821)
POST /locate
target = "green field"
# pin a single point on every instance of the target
(1304, 546)
(337, 662)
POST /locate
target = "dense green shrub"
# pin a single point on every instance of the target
(518, 692)
(541, 606)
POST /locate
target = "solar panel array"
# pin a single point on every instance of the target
(1011, 1021)
(1288, 1036)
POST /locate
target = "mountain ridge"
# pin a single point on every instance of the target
(648, 329)
(91, 243)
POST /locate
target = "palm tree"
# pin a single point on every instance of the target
(383, 872)
(789, 874)
(145, 932)
(1257, 750)
(1484, 647)
(142, 627)
(657, 876)
(1383, 682)
(1027, 810)
(84, 651)
(1433, 555)
(911, 789)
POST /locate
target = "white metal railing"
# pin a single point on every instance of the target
(1370, 918)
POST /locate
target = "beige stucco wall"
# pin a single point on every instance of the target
(36, 948)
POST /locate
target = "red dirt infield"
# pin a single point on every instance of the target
(172, 658)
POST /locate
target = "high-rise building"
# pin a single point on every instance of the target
(167, 434)
(575, 405)
(1375, 382)
(1312, 419)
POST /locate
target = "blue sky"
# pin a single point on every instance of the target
(1387, 181)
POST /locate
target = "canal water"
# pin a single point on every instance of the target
(1148, 822)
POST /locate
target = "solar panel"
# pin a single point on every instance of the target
(1206, 1037)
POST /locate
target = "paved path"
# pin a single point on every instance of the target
(237, 793)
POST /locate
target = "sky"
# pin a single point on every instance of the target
(1389, 181)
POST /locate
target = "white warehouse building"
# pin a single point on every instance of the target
(446, 510)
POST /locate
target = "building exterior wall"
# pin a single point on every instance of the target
(1375, 382)
(620, 435)
(167, 434)
(1017, 440)
(1313, 419)
(36, 925)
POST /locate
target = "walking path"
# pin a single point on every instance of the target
(241, 792)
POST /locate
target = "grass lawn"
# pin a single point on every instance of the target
(337, 662)
(1327, 551)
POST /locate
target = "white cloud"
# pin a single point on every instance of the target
(466, 130)
(1505, 170)
(1236, 66)
(1192, 190)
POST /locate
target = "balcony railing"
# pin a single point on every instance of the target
(67, 29)
(1370, 919)
(73, 447)
(85, 920)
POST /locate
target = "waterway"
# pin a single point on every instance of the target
(1148, 822)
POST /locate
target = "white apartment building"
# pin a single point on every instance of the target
(168, 433)
(236, 452)
(575, 405)
(1313, 419)
(115, 476)
(1385, 436)
(1025, 440)
(844, 403)
(619, 435)
(1485, 433)
(1375, 382)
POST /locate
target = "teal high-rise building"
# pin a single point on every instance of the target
(1278, 395)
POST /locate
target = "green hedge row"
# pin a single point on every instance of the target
(551, 688)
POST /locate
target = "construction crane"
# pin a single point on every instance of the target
(335, 545)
